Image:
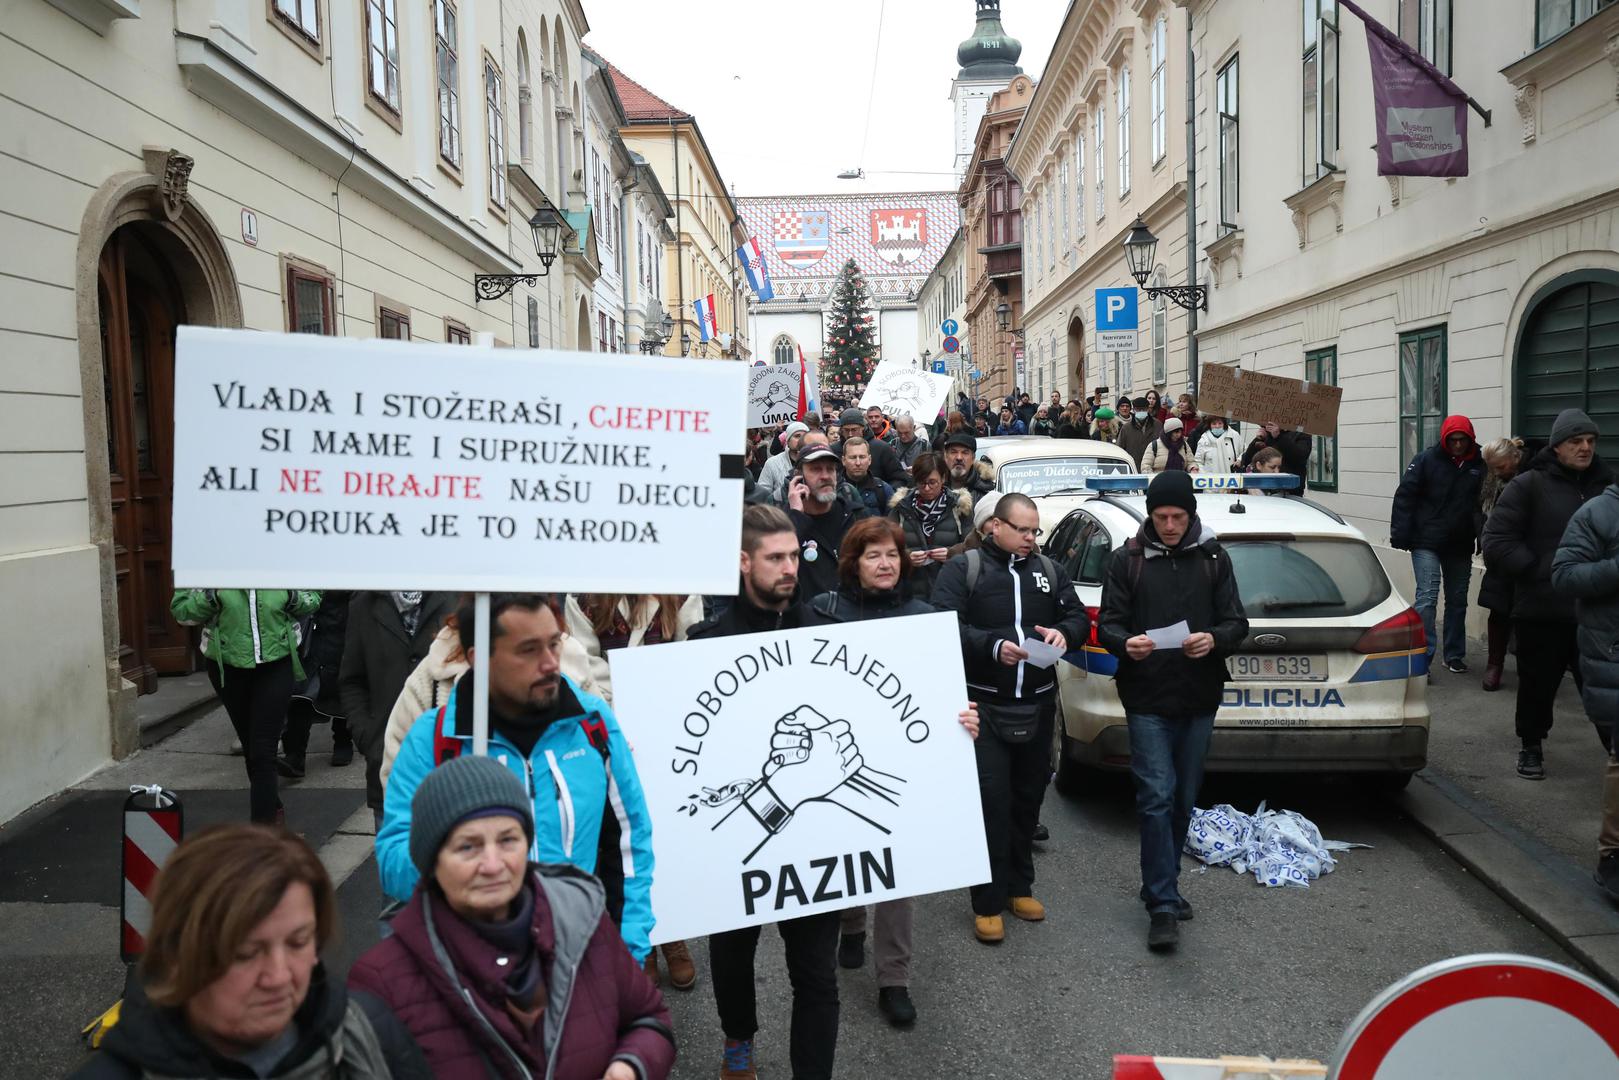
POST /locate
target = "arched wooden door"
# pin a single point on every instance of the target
(140, 310)
(1568, 357)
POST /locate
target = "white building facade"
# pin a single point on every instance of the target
(943, 298)
(285, 165)
(1103, 142)
(1494, 295)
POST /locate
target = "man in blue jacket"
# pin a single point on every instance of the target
(564, 744)
(1435, 518)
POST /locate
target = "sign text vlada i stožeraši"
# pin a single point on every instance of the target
(303, 461)
(802, 770)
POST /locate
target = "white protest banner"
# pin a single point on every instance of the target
(899, 389)
(772, 394)
(802, 770)
(317, 462)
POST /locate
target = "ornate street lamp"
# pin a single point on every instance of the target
(1140, 253)
(547, 225)
(655, 339)
(1003, 319)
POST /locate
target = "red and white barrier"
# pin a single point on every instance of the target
(1144, 1067)
(153, 825)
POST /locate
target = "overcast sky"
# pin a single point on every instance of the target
(780, 89)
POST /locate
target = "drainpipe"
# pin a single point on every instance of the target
(1191, 205)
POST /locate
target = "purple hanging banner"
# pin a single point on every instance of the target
(1421, 114)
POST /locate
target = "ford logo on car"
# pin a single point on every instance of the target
(1270, 641)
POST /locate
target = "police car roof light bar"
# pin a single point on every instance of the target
(1204, 483)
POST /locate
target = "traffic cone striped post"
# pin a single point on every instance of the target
(1147, 1067)
(154, 822)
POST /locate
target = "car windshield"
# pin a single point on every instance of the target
(1306, 579)
(1042, 476)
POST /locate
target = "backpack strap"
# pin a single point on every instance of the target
(1047, 565)
(826, 607)
(975, 560)
(445, 747)
(595, 729)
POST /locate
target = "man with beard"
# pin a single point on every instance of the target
(821, 514)
(765, 602)
(562, 743)
(963, 473)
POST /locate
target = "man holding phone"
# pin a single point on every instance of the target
(821, 510)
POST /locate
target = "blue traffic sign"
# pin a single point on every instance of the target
(938, 367)
(949, 327)
(951, 344)
(1117, 309)
(976, 374)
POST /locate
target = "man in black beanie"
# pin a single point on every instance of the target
(1521, 538)
(1173, 570)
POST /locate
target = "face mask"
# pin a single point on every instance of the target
(1218, 429)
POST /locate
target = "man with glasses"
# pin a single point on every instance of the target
(1006, 597)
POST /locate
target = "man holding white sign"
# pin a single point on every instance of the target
(797, 768)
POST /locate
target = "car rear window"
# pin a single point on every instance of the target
(1306, 579)
(1043, 476)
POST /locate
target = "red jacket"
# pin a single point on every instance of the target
(600, 1006)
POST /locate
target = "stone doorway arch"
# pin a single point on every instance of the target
(582, 331)
(179, 236)
(1076, 354)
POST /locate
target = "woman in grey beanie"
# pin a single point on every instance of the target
(496, 959)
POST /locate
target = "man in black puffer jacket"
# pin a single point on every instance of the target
(1435, 518)
(1587, 567)
(1173, 570)
(1520, 542)
(1005, 594)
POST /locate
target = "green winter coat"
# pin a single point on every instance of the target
(243, 628)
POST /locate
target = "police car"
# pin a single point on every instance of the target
(1332, 676)
(1050, 471)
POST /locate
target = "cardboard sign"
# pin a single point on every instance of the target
(899, 389)
(772, 394)
(803, 770)
(1296, 405)
(319, 462)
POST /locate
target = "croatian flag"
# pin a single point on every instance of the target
(758, 276)
(708, 325)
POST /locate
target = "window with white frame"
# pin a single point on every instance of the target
(1160, 332)
(1064, 195)
(495, 121)
(382, 52)
(1051, 229)
(1079, 183)
(1099, 140)
(1225, 104)
(448, 65)
(1123, 151)
(302, 15)
(1320, 89)
(1425, 26)
(1157, 55)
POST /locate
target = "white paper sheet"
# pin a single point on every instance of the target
(1041, 655)
(1170, 637)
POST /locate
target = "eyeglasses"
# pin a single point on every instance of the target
(1026, 533)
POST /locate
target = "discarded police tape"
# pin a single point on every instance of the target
(1279, 847)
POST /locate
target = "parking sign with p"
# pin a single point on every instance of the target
(1118, 320)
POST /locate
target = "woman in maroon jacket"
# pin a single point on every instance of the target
(502, 968)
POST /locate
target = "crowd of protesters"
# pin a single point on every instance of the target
(517, 938)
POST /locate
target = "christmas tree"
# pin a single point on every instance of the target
(848, 358)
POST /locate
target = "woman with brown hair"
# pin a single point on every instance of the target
(602, 622)
(231, 983)
(936, 519)
(872, 568)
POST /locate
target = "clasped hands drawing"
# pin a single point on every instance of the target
(811, 759)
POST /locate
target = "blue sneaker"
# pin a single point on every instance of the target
(738, 1060)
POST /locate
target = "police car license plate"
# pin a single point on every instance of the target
(1296, 667)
